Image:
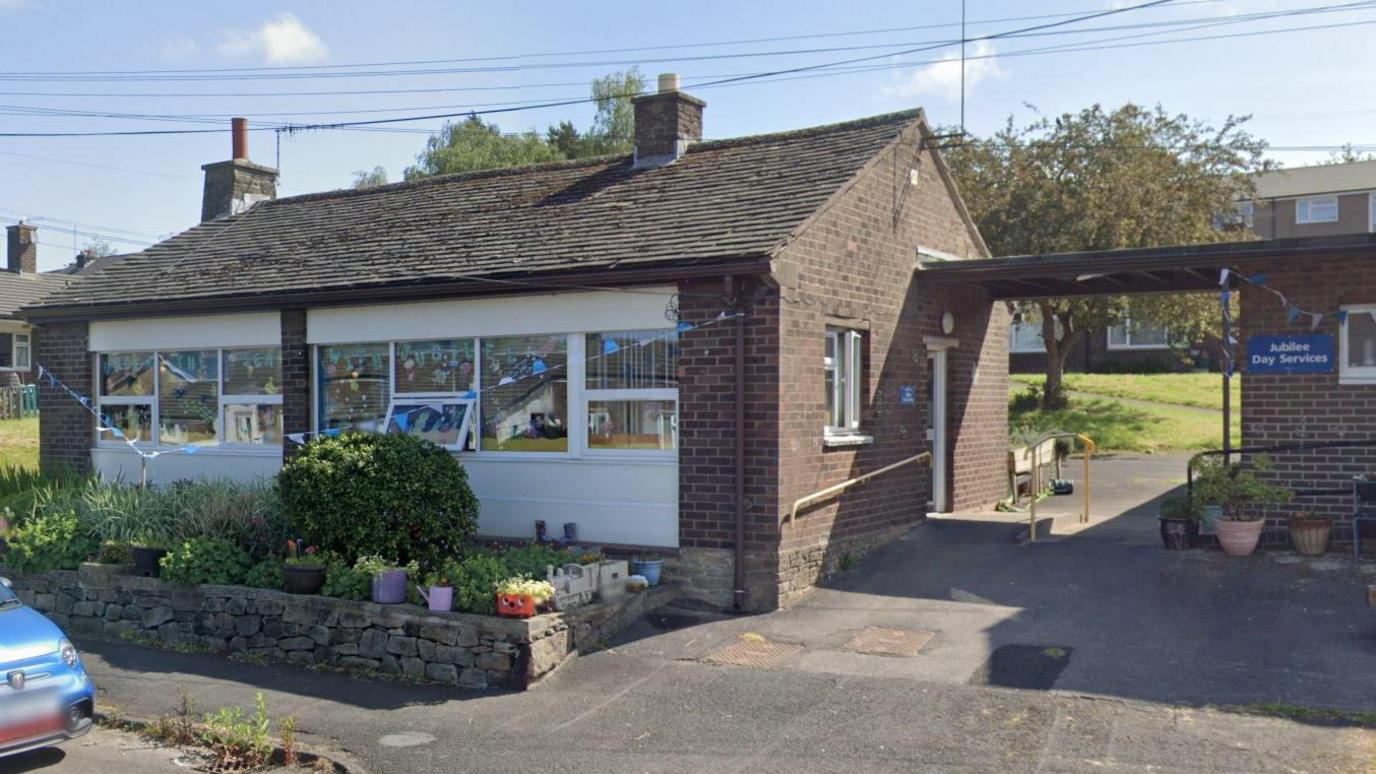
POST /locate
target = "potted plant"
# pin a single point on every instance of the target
(1242, 496)
(303, 572)
(110, 560)
(440, 598)
(1179, 523)
(389, 582)
(1309, 533)
(519, 596)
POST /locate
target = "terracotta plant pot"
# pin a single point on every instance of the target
(1310, 535)
(515, 606)
(303, 578)
(1239, 538)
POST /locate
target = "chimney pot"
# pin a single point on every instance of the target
(666, 123)
(239, 130)
(22, 244)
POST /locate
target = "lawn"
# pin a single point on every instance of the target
(1200, 390)
(19, 443)
(1173, 424)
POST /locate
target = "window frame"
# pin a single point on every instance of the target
(1309, 202)
(1353, 374)
(155, 414)
(848, 361)
(1127, 344)
(26, 347)
(586, 396)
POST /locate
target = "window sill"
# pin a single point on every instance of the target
(1136, 347)
(1357, 379)
(842, 440)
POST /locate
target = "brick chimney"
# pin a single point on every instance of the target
(666, 123)
(235, 185)
(22, 249)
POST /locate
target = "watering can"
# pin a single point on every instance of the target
(440, 599)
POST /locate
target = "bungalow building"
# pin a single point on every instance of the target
(21, 284)
(668, 348)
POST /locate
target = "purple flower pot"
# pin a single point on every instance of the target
(389, 587)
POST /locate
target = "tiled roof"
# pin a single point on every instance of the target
(24, 289)
(724, 200)
(1318, 179)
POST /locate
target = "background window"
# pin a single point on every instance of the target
(1026, 336)
(125, 394)
(632, 390)
(1358, 356)
(842, 380)
(259, 423)
(253, 371)
(126, 374)
(251, 399)
(135, 420)
(1316, 209)
(353, 386)
(1138, 334)
(525, 394)
(21, 351)
(445, 366)
(633, 424)
(632, 360)
(188, 396)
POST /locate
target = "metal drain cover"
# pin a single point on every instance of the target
(758, 653)
(883, 641)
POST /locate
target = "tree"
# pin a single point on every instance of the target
(1101, 180)
(98, 248)
(473, 144)
(365, 178)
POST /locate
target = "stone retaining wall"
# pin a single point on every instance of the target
(471, 651)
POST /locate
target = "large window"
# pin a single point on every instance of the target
(1316, 209)
(842, 364)
(1025, 336)
(510, 394)
(179, 397)
(632, 390)
(353, 386)
(1357, 356)
(14, 352)
(525, 394)
(1138, 334)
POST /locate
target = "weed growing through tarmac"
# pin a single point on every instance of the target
(1314, 715)
(847, 562)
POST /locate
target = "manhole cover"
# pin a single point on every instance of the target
(882, 641)
(755, 652)
(1034, 667)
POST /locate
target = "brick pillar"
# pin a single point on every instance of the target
(65, 428)
(296, 377)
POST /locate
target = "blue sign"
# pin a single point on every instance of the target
(907, 394)
(1303, 353)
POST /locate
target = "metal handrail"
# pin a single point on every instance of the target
(823, 494)
(1300, 446)
(1090, 448)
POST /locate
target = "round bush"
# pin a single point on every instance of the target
(394, 496)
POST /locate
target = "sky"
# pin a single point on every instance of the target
(193, 65)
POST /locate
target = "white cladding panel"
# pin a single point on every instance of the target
(573, 312)
(168, 333)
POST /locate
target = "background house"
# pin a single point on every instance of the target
(21, 284)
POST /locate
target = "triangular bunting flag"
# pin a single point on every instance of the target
(1293, 313)
(1316, 320)
(1341, 315)
(1257, 279)
(1223, 278)
(538, 367)
(297, 437)
(505, 380)
(684, 326)
(610, 347)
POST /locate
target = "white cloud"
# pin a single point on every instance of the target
(943, 78)
(283, 39)
(177, 48)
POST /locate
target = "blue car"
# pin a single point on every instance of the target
(45, 696)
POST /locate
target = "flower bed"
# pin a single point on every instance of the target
(472, 651)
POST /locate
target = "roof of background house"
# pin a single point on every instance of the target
(724, 200)
(93, 264)
(24, 289)
(1319, 179)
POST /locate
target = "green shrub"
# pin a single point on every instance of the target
(386, 495)
(246, 514)
(51, 540)
(266, 574)
(206, 560)
(532, 559)
(474, 580)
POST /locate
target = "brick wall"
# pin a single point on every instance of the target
(296, 376)
(707, 513)
(65, 427)
(1278, 409)
(853, 266)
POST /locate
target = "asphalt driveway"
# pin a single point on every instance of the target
(1093, 649)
